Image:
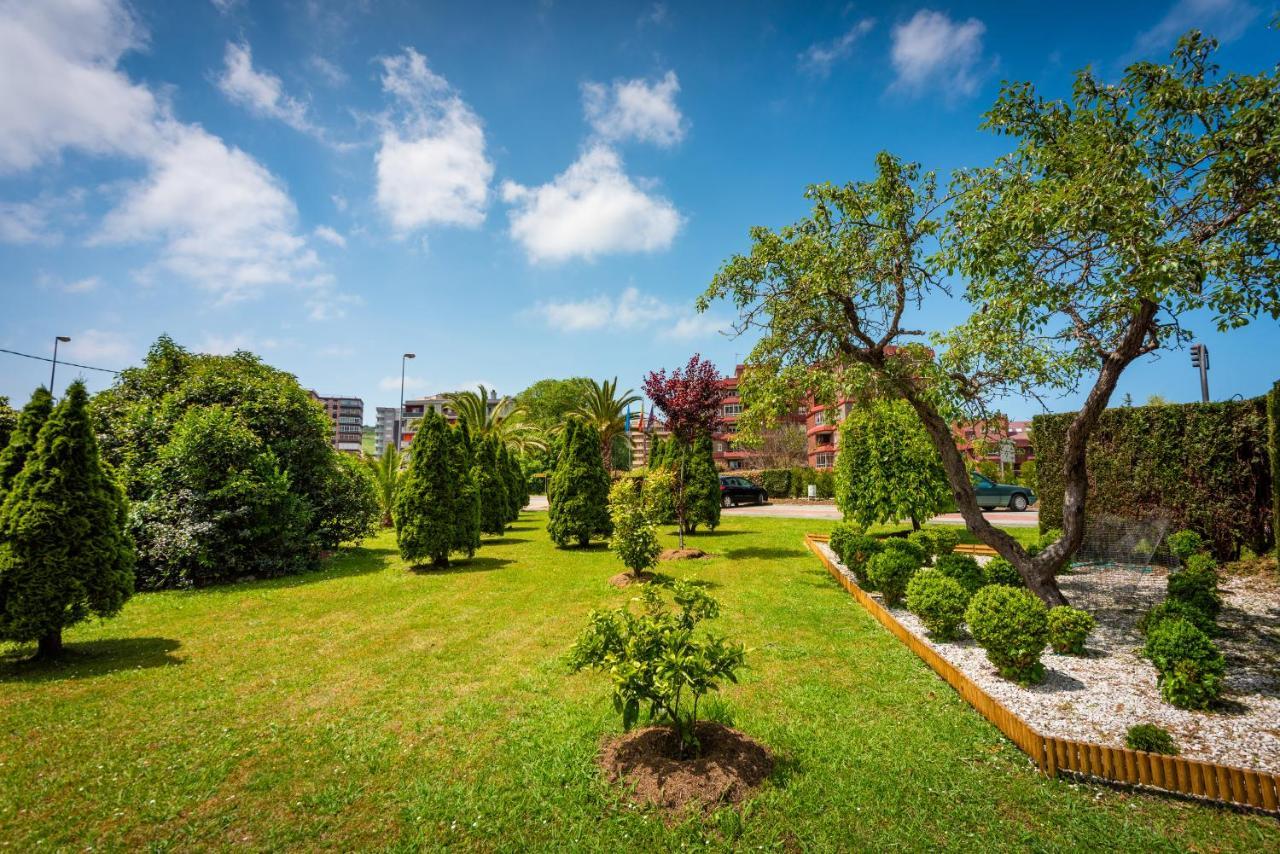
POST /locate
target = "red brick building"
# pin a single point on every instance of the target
(727, 454)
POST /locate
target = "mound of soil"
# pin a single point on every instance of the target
(683, 554)
(646, 761)
(626, 579)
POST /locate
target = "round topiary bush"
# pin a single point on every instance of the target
(890, 571)
(1011, 624)
(964, 569)
(1196, 585)
(854, 550)
(1171, 609)
(1150, 738)
(905, 546)
(938, 601)
(1189, 665)
(928, 545)
(1184, 544)
(1000, 571)
(1068, 629)
(945, 541)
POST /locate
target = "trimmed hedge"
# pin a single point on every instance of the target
(1205, 465)
(1273, 449)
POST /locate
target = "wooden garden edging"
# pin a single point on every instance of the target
(1053, 755)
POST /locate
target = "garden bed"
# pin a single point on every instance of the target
(1097, 697)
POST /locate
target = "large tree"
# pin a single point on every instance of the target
(887, 469)
(22, 439)
(579, 489)
(64, 552)
(605, 408)
(491, 483)
(429, 499)
(1119, 211)
(503, 419)
(691, 399)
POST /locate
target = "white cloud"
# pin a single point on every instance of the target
(818, 59)
(83, 286)
(590, 209)
(226, 223)
(329, 305)
(225, 6)
(329, 235)
(431, 165)
(260, 92)
(33, 221)
(59, 86)
(635, 109)
(932, 51)
(332, 74)
(98, 347)
(1225, 20)
(632, 310)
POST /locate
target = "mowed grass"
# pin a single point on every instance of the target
(371, 707)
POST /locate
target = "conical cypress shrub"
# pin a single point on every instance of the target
(13, 455)
(492, 488)
(581, 488)
(8, 422)
(702, 486)
(466, 518)
(64, 552)
(516, 499)
(427, 499)
(559, 460)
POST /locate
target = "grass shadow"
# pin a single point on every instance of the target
(663, 579)
(86, 659)
(474, 564)
(765, 553)
(503, 541)
(345, 563)
(718, 532)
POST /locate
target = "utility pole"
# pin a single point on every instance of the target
(1200, 359)
(53, 372)
(400, 411)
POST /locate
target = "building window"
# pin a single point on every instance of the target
(824, 438)
(733, 409)
(824, 460)
(819, 417)
(735, 464)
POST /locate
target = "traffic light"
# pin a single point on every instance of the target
(1195, 355)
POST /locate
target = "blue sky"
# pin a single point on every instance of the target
(510, 191)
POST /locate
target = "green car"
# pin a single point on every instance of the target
(992, 495)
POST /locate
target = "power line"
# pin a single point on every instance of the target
(60, 361)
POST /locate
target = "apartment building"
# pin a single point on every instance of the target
(347, 417)
(727, 454)
(999, 441)
(413, 410)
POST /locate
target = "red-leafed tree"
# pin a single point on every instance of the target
(691, 400)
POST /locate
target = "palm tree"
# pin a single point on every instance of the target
(504, 420)
(386, 474)
(604, 408)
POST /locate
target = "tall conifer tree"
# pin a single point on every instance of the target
(64, 552)
(581, 489)
(702, 485)
(466, 519)
(427, 499)
(13, 455)
(494, 506)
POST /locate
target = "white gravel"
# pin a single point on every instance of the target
(1097, 697)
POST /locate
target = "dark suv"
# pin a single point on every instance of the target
(738, 490)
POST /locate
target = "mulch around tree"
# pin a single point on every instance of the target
(683, 554)
(647, 763)
(626, 579)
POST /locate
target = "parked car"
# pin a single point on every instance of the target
(992, 495)
(738, 490)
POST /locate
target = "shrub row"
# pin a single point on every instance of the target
(1206, 466)
(790, 483)
(1010, 623)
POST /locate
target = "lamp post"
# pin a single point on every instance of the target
(53, 372)
(400, 411)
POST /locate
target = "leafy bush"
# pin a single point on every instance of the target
(1184, 544)
(1196, 585)
(1204, 464)
(657, 661)
(1151, 739)
(890, 571)
(1012, 625)
(826, 484)
(635, 508)
(350, 510)
(945, 541)
(1068, 629)
(776, 482)
(1189, 665)
(938, 601)
(855, 549)
(1000, 571)
(926, 542)
(965, 570)
(905, 546)
(1171, 609)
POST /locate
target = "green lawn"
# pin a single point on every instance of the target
(367, 706)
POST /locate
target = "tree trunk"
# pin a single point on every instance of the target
(606, 453)
(915, 523)
(50, 645)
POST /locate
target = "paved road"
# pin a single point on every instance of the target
(1029, 519)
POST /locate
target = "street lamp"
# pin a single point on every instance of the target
(400, 411)
(54, 370)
